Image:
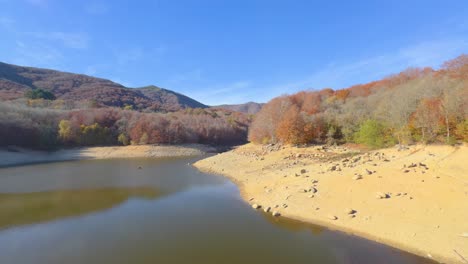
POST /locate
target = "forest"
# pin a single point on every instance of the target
(22, 124)
(416, 105)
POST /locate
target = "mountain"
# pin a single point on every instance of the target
(16, 80)
(248, 108)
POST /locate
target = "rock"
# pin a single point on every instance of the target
(275, 213)
(351, 215)
(357, 177)
(311, 196)
(381, 195)
(406, 171)
(303, 171)
(332, 168)
(350, 211)
(368, 172)
(313, 190)
(256, 206)
(267, 209)
(332, 217)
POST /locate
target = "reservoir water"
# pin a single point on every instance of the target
(155, 211)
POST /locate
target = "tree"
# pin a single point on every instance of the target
(428, 117)
(65, 131)
(123, 139)
(39, 94)
(371, 133)
(95, 135)
(291, 128)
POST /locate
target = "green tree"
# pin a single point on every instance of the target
(39, 94)
(372, 133)
(65, 132)
(123, 139)
(95, 135)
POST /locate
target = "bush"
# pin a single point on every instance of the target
(371, 133)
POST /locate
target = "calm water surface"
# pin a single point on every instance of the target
(110, 211)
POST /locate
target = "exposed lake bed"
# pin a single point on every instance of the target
(142, 210)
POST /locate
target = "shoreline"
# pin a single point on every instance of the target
(19, 156)
(423, 212)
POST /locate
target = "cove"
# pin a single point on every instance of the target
(155, 211)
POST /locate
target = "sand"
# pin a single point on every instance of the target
(425, 211)
(16, 156)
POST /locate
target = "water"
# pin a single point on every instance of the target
(112, 211)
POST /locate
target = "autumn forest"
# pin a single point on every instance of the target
(416, 105)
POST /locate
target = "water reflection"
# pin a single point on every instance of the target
(30, 208)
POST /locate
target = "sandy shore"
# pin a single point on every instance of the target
(16, 156)
(414, 199)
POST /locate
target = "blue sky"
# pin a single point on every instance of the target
(233, 51)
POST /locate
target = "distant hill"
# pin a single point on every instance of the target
(16, 80)
(248, 108)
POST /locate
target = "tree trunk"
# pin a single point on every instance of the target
(448, 127)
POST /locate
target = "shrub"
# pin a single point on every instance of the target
(372, 134)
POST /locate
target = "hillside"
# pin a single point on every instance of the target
(416, 105)
(247, 108)
(16, 80)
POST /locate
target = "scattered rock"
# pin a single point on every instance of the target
(256, 206)
(381, 195)
(267, 209)
(350, 211)
(332, 217)
(275, 213)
